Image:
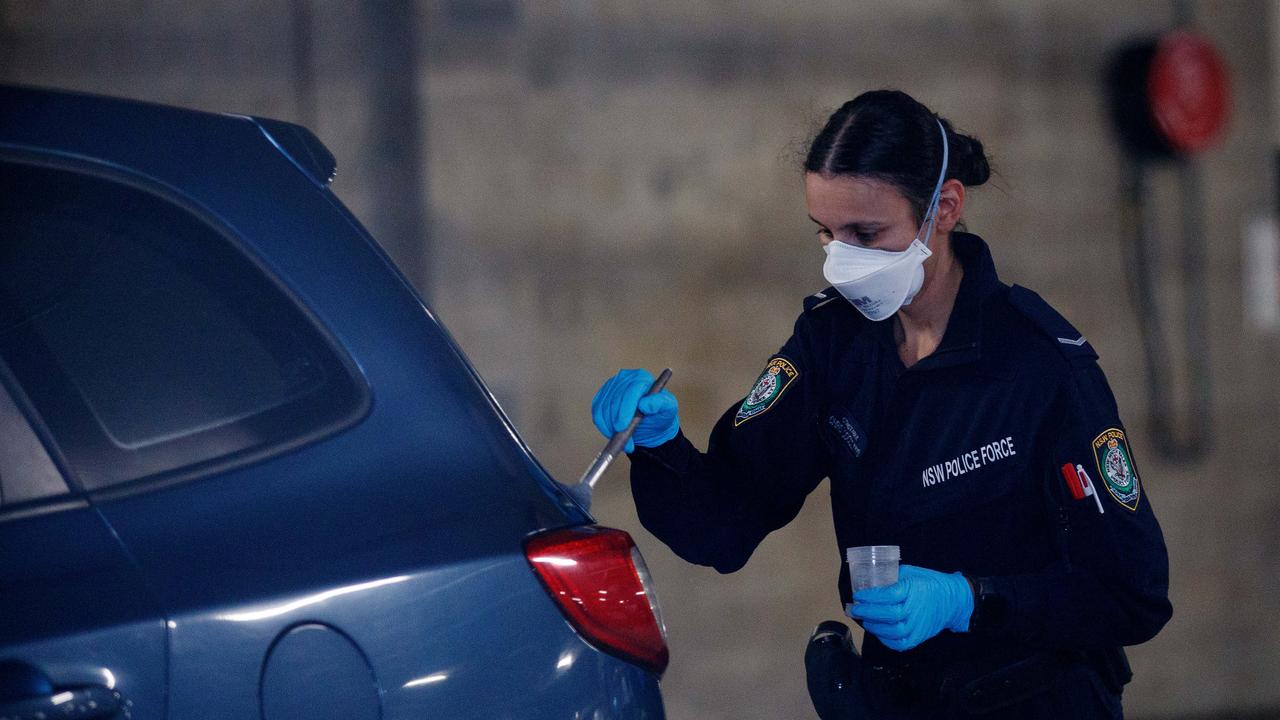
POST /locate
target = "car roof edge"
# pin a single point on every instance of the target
(301, 147)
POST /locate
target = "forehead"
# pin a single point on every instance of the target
(836, 200)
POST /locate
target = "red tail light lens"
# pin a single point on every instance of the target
(600, 582)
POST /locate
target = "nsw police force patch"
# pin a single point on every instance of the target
(777, 376)
(1115, 465)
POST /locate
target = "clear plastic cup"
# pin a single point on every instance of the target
(872, 565)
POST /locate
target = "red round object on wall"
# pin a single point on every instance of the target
(1188, 91)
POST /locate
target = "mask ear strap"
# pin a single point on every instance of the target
(931, 215)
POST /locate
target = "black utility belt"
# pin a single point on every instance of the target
(990, 691)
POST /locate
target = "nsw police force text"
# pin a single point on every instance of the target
(971, 460)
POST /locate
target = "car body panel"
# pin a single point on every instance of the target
(73, 606)
(466, 640)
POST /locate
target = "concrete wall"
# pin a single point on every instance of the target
(615, 184)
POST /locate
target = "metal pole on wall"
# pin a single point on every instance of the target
(6, 40)
(304, 76)
(1170, 99)
(396, 132)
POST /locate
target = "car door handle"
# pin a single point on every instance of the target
(27, 694)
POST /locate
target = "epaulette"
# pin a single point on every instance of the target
(1067, 339)
(820, 298)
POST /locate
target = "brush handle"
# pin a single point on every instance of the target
(620, 438)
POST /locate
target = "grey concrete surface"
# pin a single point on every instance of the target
(615, 184)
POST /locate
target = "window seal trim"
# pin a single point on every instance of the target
(76, 496)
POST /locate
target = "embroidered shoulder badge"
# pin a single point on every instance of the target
(775, 379)
(1115, 465)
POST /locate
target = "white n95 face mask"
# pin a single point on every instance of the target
(879, 282)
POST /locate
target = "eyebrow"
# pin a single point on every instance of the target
(854, 226)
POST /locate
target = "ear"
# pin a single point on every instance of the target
(950, 205)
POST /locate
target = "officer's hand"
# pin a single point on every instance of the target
(616, 402)
(920, 605)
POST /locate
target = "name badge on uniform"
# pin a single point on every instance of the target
(850, 435)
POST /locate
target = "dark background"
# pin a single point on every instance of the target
(579, 186)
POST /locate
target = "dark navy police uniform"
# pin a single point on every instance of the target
(959, 461)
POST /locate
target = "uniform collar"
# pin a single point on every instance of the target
(962, 340)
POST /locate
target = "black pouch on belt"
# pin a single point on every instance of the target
(1112, 666)
(833, 672)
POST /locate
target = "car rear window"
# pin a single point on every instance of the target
(145, 338)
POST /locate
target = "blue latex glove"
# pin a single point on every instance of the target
(920, 605)
(616, 402)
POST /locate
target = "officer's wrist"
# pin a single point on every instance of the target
(965, 598)
(662, 437)
(675, 455)
(989, 606)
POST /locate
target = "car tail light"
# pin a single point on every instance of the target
(599, 580)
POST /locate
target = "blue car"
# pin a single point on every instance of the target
(245, 473)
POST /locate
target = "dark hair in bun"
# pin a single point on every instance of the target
(889, 136)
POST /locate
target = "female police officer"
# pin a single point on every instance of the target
(957, 417)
